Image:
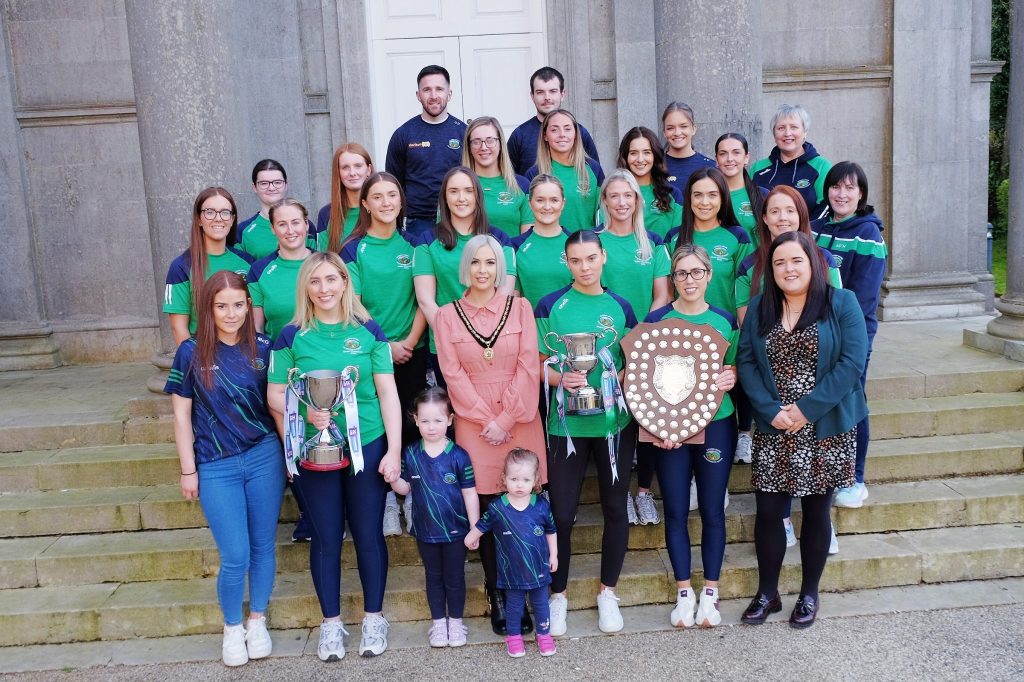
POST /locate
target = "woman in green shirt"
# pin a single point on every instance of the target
(272, 278)
(505, 194)
(640, 153)
(540, 251)
(732, 158)
(349, 169)
(270, 183)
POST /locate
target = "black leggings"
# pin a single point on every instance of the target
(410, 379)
(565, 483)
(770, 540)
(488, 553)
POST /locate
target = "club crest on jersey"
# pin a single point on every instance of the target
(243, 273)
(671, 178)
(606, 321)
(453, 143)
(538, 531)
(404, 261)
(449, 478)
(561, 258)
(803, 183)
(720, 251)
(259, 365)
(352, 345)
(745, 207)
(713, 455)
(504, 198)
(838, 260)
(638, 257)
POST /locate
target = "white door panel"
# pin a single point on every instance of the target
(496, 73)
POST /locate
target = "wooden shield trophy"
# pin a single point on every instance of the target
(668, 382)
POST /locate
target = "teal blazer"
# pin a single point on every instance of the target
(837, 403)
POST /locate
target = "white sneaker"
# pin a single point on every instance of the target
(233, 651)
(392, 524)
(725, 502)
(332, 642)
(833, 543)
(787, 523)
(558, 605)
(693, 494)
(744, 444)
(852, 496)
(407, 511)
(375, 636)
(257, 639)
(438, 633)
(647, 509)
(686, 604)
(609, 619)
(631, 510)
(708, 615)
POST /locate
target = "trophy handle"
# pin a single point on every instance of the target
(292, 386)
(615, 336)
(549, 346)
(352, 372)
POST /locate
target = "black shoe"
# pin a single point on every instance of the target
(760, 608)
(301, 532)
(496, 607)
(804, 613)
(527, 626)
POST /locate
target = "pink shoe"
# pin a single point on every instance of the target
(546, 644)
(516, 648)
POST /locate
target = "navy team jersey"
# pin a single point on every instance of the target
(519, 536)
(438, 509)
(231, 416)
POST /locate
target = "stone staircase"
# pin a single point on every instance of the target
(97, 544)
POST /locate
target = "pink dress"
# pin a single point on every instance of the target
(505, 389)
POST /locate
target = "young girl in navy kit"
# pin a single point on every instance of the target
(445, 507)
(524, 533)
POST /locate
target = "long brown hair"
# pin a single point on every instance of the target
(659, 173)
(339, 195)
(764, 235)
(445, 230)
(365, 219)
(197, 240)
(206, 332)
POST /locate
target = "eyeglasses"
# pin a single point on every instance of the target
(212, 213)
(696, 274)
(267, 184)
(489, 142)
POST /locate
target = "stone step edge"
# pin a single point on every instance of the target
(409, 635)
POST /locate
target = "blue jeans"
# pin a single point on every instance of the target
(515, 603)
(675, 468)
(241, 499)
(331, 495)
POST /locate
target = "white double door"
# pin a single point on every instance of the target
(489, 47)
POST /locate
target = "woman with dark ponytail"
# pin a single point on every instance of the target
(733, 157)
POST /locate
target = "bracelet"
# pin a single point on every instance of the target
(189, 473)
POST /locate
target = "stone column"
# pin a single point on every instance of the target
(635, 67)
(709, 56)
(930, 270)
(1005, 334)
(26, 341)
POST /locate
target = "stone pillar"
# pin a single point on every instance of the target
(930, 271)
(1005, 334)
(635, 67)
(26, 341)
(709, 56)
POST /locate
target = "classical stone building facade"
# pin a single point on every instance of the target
(114, 113)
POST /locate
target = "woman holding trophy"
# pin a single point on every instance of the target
(708, 462)
(487, 347)
(332, 341)
(579, 327)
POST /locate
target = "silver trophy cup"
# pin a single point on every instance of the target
(580, 354)
(323, 389)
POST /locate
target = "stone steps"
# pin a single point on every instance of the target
(898, 459)
(150, 609)
(182, 553)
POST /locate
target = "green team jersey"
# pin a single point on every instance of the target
(744, 213)
(431, 258)
(655, 220)
(178, 291)
(727, 248)
(540, 264)
(336, 346)
(568, 311)
(272, 284)
(322, 237)
(506, 210)
(258, 238)
(580, 212)
(381, 271)
(627, 275)
(724, 323)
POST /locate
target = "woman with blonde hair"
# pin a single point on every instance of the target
(331, 330)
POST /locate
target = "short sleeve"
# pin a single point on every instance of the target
(422, 263)
(486, 521)
(464, 469)
(741, 290)
(525, 212)
(662, 263)
(255, 291)
(178, 290)
(510, 260)
(549, 520)
(380, 357)
(282, 357)
(179, 379)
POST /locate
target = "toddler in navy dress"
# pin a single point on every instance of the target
(524, 536)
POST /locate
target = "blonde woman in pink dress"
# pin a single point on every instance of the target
(487, 350)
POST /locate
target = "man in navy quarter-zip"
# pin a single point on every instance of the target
(426, 147)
